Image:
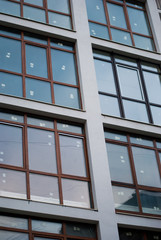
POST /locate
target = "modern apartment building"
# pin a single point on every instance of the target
(80, 119)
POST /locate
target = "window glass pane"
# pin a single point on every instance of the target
(144, 43)
(10, 84)
(156, 113)
(34, 14)
(116, 14)
(101, 55)
(41, 148)
(109, 105)
(115, 136)
(130, 234)
(33, 65)
(75, 193)
(153, 85)
(119, 164)
(121, 36)
(135, 111)
(11, 117)
(10, 32)
(150, 66)
(138, 20)
(69, 128)
(105, 77)
(99, 31)
(6, 235)
(41, 238)
(10, 55)
(66, 96)
(153, 236)
(159, 146)
(72, 156)
(81, 230)
(13, 222)
(11, 145)
(37, 2)
(141, 141)
(38, 90)
(40, 122)
(35, 38)
(57, 5)
(62, 45)
(12, 184)
(48, 227)
(146, 167)
(151, 202)
(10, 7)
(44, 188)
(130, 87)
(125, 199)
(95, 10)
(133, 3)
(59, 20)
(63, 66)
(125, 60)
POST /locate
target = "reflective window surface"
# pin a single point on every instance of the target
(135, 234)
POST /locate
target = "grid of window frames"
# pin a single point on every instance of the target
(43, 160)
(54, 79)
(132, 234)
(53, 12)
(121, 21)
(135, 169)
(17, 228)
(128, 88)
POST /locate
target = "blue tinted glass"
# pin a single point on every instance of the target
(143, 42)
(99, 31)
(151, 202)
(156, 113)
(63, 66)
(101, 55)
(116, 14)
(109, 105)
(11, 117)
(57, 5)
(38, 90)
(59, 20)
(10, 32)
(33, 64)
(95, 10)
(35, 38)
(66, 96)
(34, 14)
(10, 58)
(10, 84)
(10, 7)
(36, 2)
(69, 128)
(62, 45)
(121, 37)
(6, 235)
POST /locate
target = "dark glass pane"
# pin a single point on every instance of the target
(72, 156)
(11, 117)
(10, 55)
(10, 32)
(11, 145)
(125, 60)
(153, 236)
(34, 14)
(146, 167)
(99, 31)
(63, 66)
(81, 230)
(115, 136)
(130, 87)
(37, 2)
(141, 141)
(130, 234)
(38, 90)
(151, 202)
(156, 113)
(125, 199)
(69, 128)
(135, 111)
(41, 238)
(41, 148)
(109, 105)
(116, 14)
(59, 20)
(35, 38)
(13, 222)
(118, 159)
(40, 122)
(57, 5)
(10, 84)
(48, 227)
(75, 193)
(44, 188)
(66, 96)
(95, 10)
(33, 65)
(12, 184)
(10, 8)
(6, 235)
(144, 43)
(102, 55)
(105, 77)
(62, 45)
(138, 21)
(133, 3)
(121, 36)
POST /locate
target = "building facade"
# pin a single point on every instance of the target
(80, 98)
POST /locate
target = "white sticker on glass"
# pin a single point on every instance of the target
(4, 174)
(60, 44)
(4, 181)
(8, 55)
(97, 7)
(42, 124)
(31, 93)
(93, 32)
(125, 37)
(1, 153)
(3, 84)
(71, 96)
(31, 65)
(14, 118)
(54, 21)
(1, 159)
(113, 18)
(63, 68)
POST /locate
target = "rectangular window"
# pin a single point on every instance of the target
(54, 79)
(128, 88)
(123, 21)
(134, 163)
(44, 160)
(132, 234)
(53, 12)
